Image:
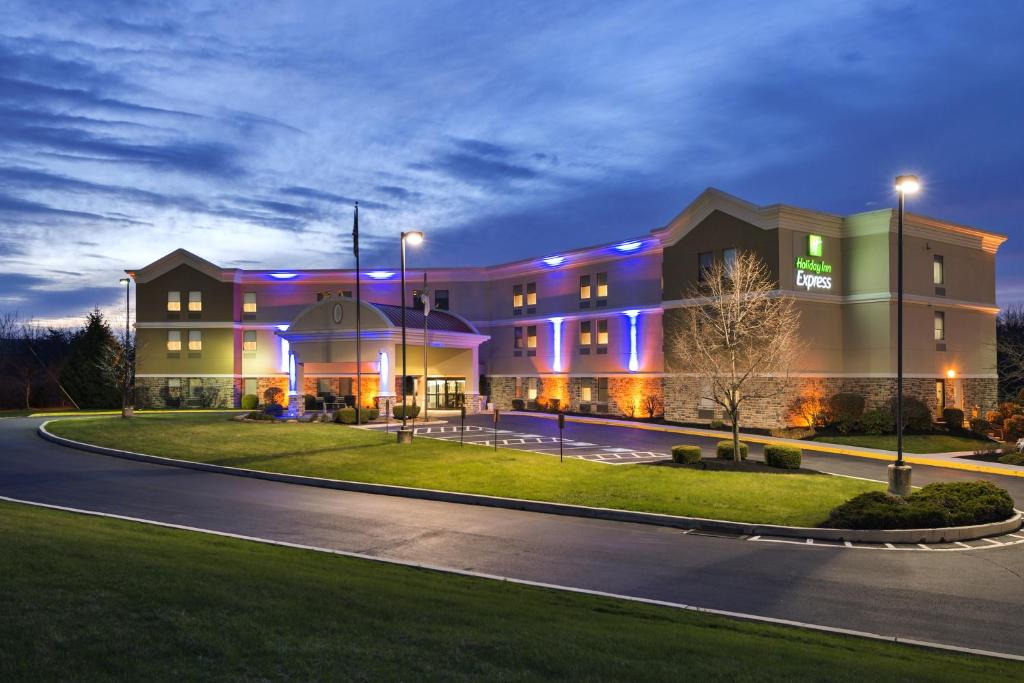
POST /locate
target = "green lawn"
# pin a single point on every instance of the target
(912, 443)
(337, 452)
(91, 599)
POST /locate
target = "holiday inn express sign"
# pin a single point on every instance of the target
(813, 273)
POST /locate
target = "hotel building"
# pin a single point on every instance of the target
(590, 327)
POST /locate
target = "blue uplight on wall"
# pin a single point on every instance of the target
(284, 276)
(285, 347)
(380, 274)
(634, 364)
(292, 389)
(554, 261)
(627, 247)
(556, 323)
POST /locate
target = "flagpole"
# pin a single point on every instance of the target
(359, 327)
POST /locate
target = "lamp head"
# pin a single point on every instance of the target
(413, 237)
(907, 184)
(951, 373)
(124, 281)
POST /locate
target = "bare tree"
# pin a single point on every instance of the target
(739, 336)
(1010, 351)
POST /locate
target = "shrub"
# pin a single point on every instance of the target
(783, 457)
(345, 416)
(554, 404)
(809, 410)
(877, 422)
(310, 402)
(274, 409)
(959, 503)
(981, 426)
(518, 404)
(686, 455)
(259, 415)
(408, 411)
(1013, 428)
(994, 417)
(1008, 409)
(717, 424)
(844, 411)
(916, 416)
(724, 450)
(272, 395)
(1014, 458)
(954, 418)
(249, 402)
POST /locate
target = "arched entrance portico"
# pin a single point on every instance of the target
(322, 341)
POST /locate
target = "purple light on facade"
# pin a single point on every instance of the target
(554, 261)
(556, 323)
(380, 274)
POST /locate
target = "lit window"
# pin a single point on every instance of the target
(531, 340)
(195, 340)
(602, 333)
(729, 259)
(585, 326)
(602, 285)
(249, 340)
(249, 302)
(531, 388)
(939, 270)
(195, 301)
(517, 296)
(585, 391)
(940, 326)
(174, 301)
(704, 263)
(441, 299)
(531, 294)
(173, 340)
(585, 289)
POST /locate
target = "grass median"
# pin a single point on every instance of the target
(92, 599)
(337, 452)
(912, 443)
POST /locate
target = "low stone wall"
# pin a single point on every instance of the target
(628, 396)
(191, 392)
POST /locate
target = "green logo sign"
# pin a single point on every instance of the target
(815, 245)
(813, 273)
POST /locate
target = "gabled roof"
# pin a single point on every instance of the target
(181, 257)
(438, 321)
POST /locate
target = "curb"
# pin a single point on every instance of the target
(819, 446)
(946, 535)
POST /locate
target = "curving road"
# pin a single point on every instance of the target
(973, 598)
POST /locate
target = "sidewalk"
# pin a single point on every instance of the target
(953, 460)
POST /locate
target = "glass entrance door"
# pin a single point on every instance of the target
(445, 393)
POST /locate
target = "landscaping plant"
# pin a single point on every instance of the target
(960, 503)
(782, 456)
(249, 402)
(727, 450)
(954, 419)
(686, 455)
(845, 409)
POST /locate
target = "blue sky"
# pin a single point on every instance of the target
(243, 130)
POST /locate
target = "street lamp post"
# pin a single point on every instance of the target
(899, 472)
(126, 410)
(414, 237)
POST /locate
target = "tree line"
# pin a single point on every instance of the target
(52, 367)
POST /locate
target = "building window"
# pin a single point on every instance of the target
(705, 261)
(441, 299)
(584, 291)
(602, 289)
(939, 270)
(531, 340)
(940, 326)
(174, 301)
(347, 293)
(249, 302)
(517, 299)
(531, 388)
(323, 386)
(195, 340)
(729, 258)
(249, 340)
(594, 390)
(173, 340)
(517, 341)
(602, 336)
(602, 389)
(586, 327)
(531, 297)
(195, 301)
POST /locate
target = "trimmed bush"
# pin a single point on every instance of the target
(783, 457)
(1013, 428)
(877, 422)
(345, 416)
(717, 424)
(250, 401)
(259, 415)
(274, 410)
(1014, 458)
(554, 404)
(724, 450)
(518, 404)
(959, 503)
(686, 455)
(310, 402)
(844, 410)
(272, 395)
(916, 416)
(981, 426)
(954, 419)
(408, 411)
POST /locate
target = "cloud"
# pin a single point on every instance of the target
(320, 195)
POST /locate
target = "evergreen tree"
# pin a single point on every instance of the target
(83, 375)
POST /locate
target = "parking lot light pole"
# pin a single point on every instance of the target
(899, 472)
(414, 237)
